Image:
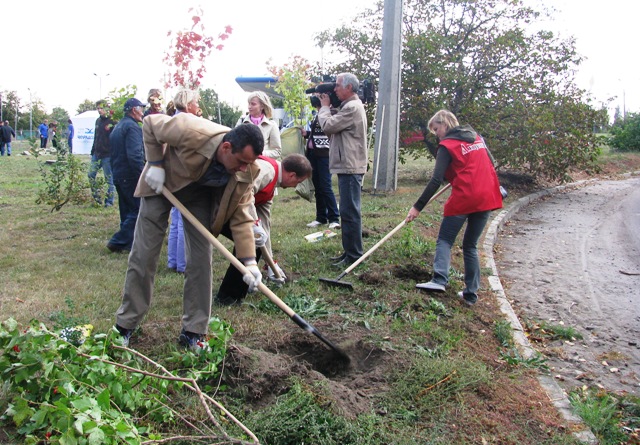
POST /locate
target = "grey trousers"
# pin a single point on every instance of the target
(151, 227)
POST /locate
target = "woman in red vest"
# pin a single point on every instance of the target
(463, 160)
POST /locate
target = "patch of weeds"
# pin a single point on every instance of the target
(432, 383)
(559, 332)
(414, 245)
(65, 319)
(303, 305)
(504, 333)
(301, 416)
(611, 420)
(513, 358)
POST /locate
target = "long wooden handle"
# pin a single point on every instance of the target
(387, 236)
(228, 255)
(267, 257)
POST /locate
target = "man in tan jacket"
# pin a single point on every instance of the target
(210, 169)
(347, 131)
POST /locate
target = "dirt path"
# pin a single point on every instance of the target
(573, 259)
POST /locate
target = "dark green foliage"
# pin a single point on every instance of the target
(627, 136)
(216, 110)
(479, 60)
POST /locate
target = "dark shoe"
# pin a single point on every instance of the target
(346, 262)
(226, 300)
(468, 301)
(193, 341)
(117, 249)
(340, 257)
(124, 333)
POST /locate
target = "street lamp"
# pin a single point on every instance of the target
(30, 114)
(100, 77)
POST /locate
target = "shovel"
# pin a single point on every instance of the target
(241, 267)
(339, 283)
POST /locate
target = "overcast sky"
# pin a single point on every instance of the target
(54, 48)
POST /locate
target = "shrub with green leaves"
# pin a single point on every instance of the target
(93, 393)
(65, 180)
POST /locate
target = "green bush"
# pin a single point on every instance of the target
(627, 137)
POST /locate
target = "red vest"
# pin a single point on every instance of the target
(266, 194)
(474, 183)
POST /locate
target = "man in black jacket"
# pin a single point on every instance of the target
(100, 154)
(6, 134)
(127, 162)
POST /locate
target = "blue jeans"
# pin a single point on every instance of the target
(449, 229)
(175, 244)
(2, 146)
(350, 188)
(129, 207)
(105, 164)
(326, 206)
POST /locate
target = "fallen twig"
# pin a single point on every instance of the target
(429, 388)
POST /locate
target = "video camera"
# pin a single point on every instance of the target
(366, 91)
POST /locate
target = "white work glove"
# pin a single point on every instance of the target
(272, 276)
(155, 178)
(260, 235)
(253, 277)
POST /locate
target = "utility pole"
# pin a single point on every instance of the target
(30, 114)
(385, 173)
(100, 90)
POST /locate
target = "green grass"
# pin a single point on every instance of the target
(55, 268)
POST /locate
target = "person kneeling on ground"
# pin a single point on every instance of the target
(293, 169)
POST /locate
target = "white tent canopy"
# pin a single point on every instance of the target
(83, 131)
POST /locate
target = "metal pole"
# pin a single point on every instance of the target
(100, 83)
(30, 114)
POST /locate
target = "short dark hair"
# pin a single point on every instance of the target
(243, 135)
(298, 164)
(101, 103)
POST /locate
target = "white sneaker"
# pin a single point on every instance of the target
(313, 224)
(334, 225)
(431, 286)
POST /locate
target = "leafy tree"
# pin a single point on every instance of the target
(116, 100)
(225, 114)
(189, 51)
(293, 79)
(478, 59)
(627, 136)
(87, 105)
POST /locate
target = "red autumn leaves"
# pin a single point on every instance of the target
(191, 48)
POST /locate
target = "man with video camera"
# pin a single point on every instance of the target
(346, 127)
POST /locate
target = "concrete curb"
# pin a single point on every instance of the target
(556, 394)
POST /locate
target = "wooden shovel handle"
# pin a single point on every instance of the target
(228, 255)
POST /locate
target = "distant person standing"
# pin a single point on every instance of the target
(70, 133)
(53, 134)
(100, 154)
(317, 151)
(127, 162)
(43, 129)
(347, 131)
(154, 98)
(261, 114)
(185, 101)
(6, 133)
